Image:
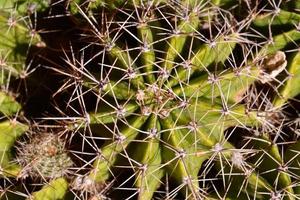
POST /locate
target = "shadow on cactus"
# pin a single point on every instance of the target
(174, 100)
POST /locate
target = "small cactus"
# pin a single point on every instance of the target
(44, 156)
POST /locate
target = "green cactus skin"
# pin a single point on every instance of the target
(11, 130)
(15, 43)
(291, 89)
(171, 80)
(55, 190)
(279, 18)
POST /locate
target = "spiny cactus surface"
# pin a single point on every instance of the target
(156, 99)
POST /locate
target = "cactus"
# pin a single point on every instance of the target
(162, 100)
(17, 38)
(11, 129)
(44, 156)
(13, 50)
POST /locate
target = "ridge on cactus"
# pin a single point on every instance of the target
(149, 99)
